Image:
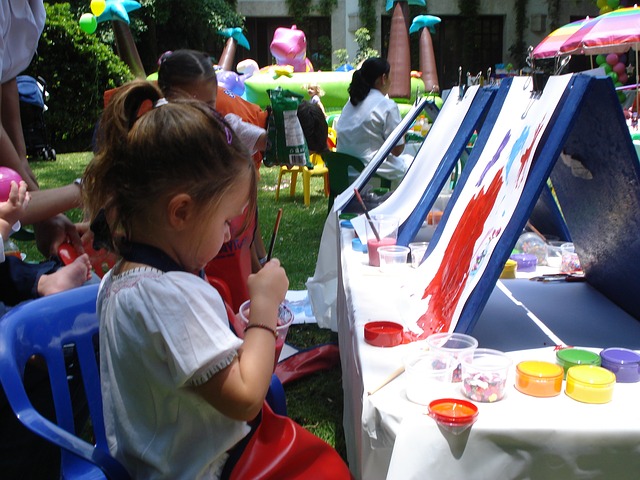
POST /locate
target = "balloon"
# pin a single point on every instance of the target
(607, 68)
(623, 77)
(619, 68)
(88, 23)
(613, 76)
(7, 175)
(247, 67)
(231, 81)
(601, 3)
(97, 7)
(612, 59)
(600, 59)
(621, 97)
(613, 4)
(606, 9)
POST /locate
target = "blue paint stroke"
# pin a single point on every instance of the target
(518, 146)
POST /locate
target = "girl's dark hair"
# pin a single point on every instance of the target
(365, 77)
(143, 160)
(181, 68)
(314, 126)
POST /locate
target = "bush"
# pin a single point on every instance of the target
(77, 69)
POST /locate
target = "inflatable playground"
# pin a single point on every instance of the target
(292, 70)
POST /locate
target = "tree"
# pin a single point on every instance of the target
(78, 68)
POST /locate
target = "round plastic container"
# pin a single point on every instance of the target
(484, 375)
(383, 333)
(509, 270)
(285, 319)
(570, 357)
(539, 379)
(427, 376)
(458, 346)
(527, 262)
(393, 258)
(453, 414)
(624, 363)
(590, 384)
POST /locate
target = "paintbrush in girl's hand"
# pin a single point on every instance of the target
(275, 234)
(366, 214)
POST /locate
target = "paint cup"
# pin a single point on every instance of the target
(393, 258)
(418, 249)
(458, 346)
(285, 319)
(382, 231)
(570, 262)
(428, 376)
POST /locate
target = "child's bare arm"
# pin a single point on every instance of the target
(239, 390)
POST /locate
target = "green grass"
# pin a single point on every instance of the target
(315, 402)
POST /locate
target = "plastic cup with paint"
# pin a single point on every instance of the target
(285, 319)
(570, 262)
(382, 231)
(428, 376)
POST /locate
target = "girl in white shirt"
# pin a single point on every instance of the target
(369, 118)
(178, 386)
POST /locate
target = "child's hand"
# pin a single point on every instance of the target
(13, 209)
(269, 285)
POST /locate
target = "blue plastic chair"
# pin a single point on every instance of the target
(48, 327)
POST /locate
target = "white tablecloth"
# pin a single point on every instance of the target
(520, 436)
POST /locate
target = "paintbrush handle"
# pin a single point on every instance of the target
(395, 374)
(366, 214)
(274, 235)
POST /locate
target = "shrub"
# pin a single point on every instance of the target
(78, 68)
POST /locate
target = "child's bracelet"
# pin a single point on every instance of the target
(263, 326)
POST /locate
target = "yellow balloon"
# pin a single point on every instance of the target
(97, 7)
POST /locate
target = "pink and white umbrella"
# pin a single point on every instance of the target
(550, 46)
(613, 32)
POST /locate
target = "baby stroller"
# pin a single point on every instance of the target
(32, 95)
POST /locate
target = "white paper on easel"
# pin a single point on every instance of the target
(404, 199)
(444, 281)
(345, 197)
(322, 286)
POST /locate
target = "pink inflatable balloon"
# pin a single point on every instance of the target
(623, 77)
(612, 59)
(6, 176)
(619, 68)
(289, 47)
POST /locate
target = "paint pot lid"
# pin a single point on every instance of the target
(620, 356)
(453, 411)
(383, 333)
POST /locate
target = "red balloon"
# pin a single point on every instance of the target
(623, 77)
(619, 68)
(612, 59)
(6, 176)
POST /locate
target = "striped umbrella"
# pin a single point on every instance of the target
(613, 32)
(550, 45)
